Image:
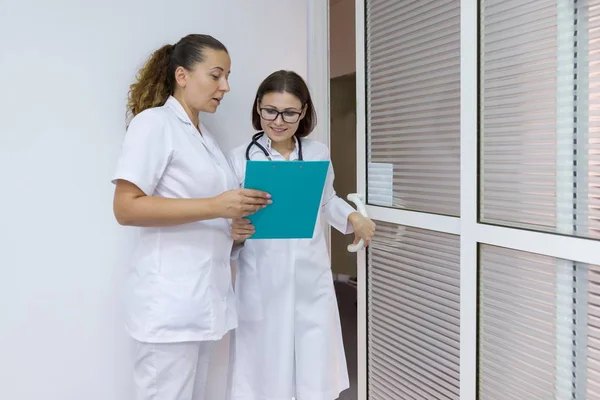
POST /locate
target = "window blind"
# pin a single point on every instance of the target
(539, 320)
(539, 136)
(591, 13)
(590, 299)
(413, 314)
(523, 348)
(413, 104)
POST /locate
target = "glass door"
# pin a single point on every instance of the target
(478, 156)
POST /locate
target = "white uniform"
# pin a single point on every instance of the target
(289, 341)
(179, 287)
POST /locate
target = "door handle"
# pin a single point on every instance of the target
(360, 206)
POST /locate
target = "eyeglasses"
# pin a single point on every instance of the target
(270, 114)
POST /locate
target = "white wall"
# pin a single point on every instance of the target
(65, 67)
(342, 58)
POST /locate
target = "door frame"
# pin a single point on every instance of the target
(318, 75)
(318, 65)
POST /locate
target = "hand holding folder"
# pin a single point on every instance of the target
(296, 188)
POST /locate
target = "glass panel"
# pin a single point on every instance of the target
(539, 335)
(413, 104)
(540, 135)
(413, 314)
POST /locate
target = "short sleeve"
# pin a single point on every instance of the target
(145, 153)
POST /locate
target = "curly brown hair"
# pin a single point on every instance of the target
(155, 81)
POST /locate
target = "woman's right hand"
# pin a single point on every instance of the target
(240, 203)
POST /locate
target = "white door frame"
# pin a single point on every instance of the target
(318, 74)
(361, 188)
(318, 65)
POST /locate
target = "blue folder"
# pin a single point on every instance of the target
(296, 188)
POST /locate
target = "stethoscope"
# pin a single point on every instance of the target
(254, 142)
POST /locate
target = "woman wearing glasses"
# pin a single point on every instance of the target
(289, 341)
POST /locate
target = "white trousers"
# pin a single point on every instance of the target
(171, 371)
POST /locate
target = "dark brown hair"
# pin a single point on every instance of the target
(156, 80)
(287, 82)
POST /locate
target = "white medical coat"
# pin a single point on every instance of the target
(179, 284)
(289, 340)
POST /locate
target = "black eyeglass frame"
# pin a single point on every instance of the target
(278, 113)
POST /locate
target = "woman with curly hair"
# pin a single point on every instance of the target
(174, 183)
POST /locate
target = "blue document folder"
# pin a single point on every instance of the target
(296, 188)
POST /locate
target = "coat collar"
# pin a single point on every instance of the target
(266, 142)
(175, 106)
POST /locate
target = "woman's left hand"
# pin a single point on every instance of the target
(364, 228)
(241, 229)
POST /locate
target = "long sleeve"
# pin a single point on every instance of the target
(235, 251)
(335, 210)
(237, 162)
